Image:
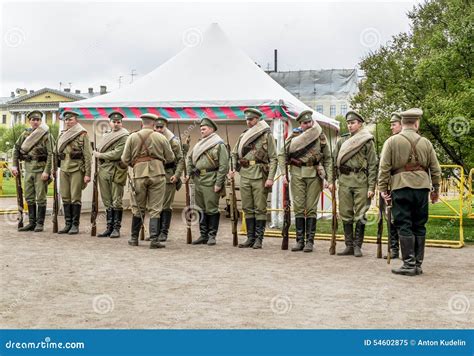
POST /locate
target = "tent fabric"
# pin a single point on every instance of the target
(213, 78)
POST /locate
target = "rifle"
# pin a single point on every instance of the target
(95, 195)
(286, 205)
(332, 248)
(134, 194)
(381, 203)
(234, 213)
(19, 188)
(389, 230)
(189, 236)
(55, 193)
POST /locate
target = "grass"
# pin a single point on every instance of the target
(9, 187)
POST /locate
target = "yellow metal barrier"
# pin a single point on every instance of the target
(470, 214)
(457, 215)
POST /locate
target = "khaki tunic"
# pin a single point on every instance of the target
(177, 171)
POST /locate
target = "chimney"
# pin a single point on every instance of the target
(276, 60)
(91, 90)
(103, 89)
(78, 91)
(67, 90)
(12, 94)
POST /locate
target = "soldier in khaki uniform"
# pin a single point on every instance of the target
(112, 174)
(356, 163)
(173, 176)
(147, 152)
(74, 154)
(407, 162)
(395, 127)
(255, 158)
(35, 147)
(208, 164)
(309, 158)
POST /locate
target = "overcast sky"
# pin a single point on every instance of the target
(89, 44)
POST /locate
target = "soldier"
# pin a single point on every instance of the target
(173, 176)
(112, 174)
(208, 164)
(147, 152)
(395, 127)
(407, 162)
(35, 147)
(255, 158)
(74, 159)
(309, 158)
(356, 162)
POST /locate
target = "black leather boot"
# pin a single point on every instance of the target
(76, 217)
(67, 218)
(165, 222)
(203, 229)
(40, 218)
(109, 213)
(213, 228)
(135, 231)
(407, 243)
(310, 232)
(259, 232)
(154, 233)
(31, 219)
(117, 223)
(359, 238)
(300, 225)
(348, 239)
(250, 225)
(419, 253)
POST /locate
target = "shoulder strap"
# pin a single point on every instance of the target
(144, 140)
(413, 152)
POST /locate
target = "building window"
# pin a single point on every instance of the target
(319, 108)
(332, 110)
(4, 119)
(343, 109)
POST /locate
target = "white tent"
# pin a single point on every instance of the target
(213, 78)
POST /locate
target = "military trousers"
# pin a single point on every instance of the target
(71, 186)
(353, 203)
(36, 189)
(305, 194)
(170, 191)
(110, 192)
(254, 198)
(410, 211)
(206, 199)
(150, 192)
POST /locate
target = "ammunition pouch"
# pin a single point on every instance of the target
(76, 155)
(347, 170)
(41, 158)
(179, 184)
(201, 172)
(171, 165)
(296, 162)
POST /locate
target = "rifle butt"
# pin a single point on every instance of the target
(142, 233)
(379, 248)
(189, 236)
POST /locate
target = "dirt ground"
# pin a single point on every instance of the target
(58, 281)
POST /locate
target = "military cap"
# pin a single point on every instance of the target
(208, 122)
(161, 121)
(149, 116)
(252, 113)
(354, 115)
(305, 115)
(395, 117)
(414, 113)
(69, 113)
(116, 115)
(35, 114)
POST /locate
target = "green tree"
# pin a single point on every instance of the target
(429, 67)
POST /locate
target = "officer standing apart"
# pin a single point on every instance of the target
(395, 127)
(74, 159)
(356, 162)
(173, 176)
(255, 158)
(309, 158)
(147, 152)
(35, 147)
(208, 164)
(407, 162)
(112, 173)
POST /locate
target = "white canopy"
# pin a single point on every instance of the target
(213, 78)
